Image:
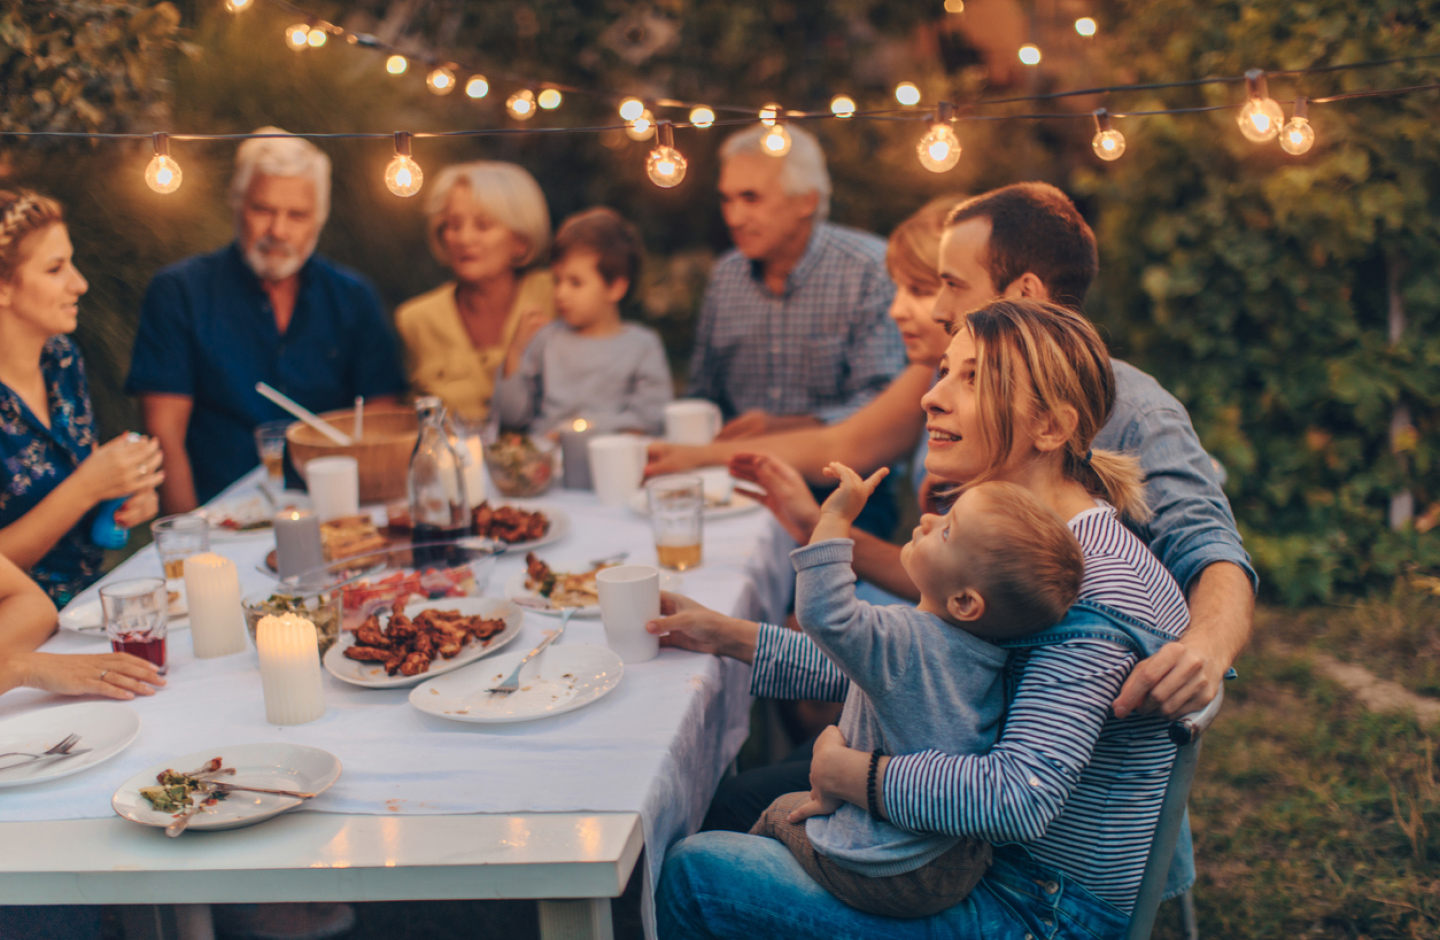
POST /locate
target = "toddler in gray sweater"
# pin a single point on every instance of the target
(999, 565)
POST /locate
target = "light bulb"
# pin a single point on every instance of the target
(769, 113)
(643, 127)
(440, 81)
(235, 6)
(403, 175)
(702, 117)
(665, 166)
(477, 86)
(162, 173)
(954, 6)
(631, 108)
(397, 64)
(1030, 54)
(297, 37)
(842, 106)
(1108, 145)
(777, 141)
(521, 105)
(317, 38)
(907, 94)
(549, 98)
(1085, 26)
(1298, 136)
(939, 150)
(1261, 117)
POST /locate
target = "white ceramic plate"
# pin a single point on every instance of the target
(247, 514)
(515, 590)
(559, 680)
(276, 766)
(106, 728)
(739, 505)
(372, 675)
(559, 525)
(88, 617)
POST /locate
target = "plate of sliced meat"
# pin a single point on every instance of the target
(427, 638)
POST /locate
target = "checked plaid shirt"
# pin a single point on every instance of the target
(824, 347)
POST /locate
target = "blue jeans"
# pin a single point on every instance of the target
(729, 885)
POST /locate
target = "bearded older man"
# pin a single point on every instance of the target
(265, 308)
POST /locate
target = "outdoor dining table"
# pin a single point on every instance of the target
(556, 809)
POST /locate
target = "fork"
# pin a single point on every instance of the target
(614, 559)
(512, 682)
(65, 748)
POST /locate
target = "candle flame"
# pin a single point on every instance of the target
(580, 424)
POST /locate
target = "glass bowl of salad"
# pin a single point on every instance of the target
(322, 609)
(521, 465)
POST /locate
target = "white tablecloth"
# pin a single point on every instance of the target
(657, 745)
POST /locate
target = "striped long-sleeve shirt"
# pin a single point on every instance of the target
(1081, 789)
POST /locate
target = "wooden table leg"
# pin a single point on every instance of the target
(586, 919)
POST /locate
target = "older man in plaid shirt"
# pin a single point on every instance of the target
(794, 329)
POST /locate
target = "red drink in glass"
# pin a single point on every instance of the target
(148, 648)
(136, 615)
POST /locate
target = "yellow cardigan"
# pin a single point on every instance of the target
(441, 358)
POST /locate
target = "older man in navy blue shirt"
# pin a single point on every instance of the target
(265, 308)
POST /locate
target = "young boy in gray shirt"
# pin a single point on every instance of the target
(590, 364)
(999, 565)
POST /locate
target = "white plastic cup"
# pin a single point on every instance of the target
(617, 465)
(629, 599)
(692, 421)
(334, 484)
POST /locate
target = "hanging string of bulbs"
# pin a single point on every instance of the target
(1260, 118)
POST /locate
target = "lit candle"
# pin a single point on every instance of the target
(474, 470)
(297, 542)
(217, 622)
(289, 669)
(574, 444)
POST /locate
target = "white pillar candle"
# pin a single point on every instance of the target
(289, 669)
(298, 546)
(475, 471)
(212, 590)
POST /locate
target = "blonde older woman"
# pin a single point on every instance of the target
(489, 225)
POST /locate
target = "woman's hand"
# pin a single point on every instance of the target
(839, 773)
(139, 508)
(787, 495)
(692, 626)
(114, 675)
(125, 465)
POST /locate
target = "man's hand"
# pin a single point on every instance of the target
(663, 458)
(787, 495)
(818, 805)
(827, 761)
(750, 424)
(850, 496)
(1175, 681)
(692, 626)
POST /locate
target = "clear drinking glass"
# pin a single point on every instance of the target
(270, 441)
(677, 505)
(136, 615)
(176, 539)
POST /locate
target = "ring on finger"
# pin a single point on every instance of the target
(103, 674)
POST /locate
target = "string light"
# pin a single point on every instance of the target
(769, 114)
(403, 175)
(440, 81)
(1261, 117)
(776, 141)
(317, 38)
(631, 108)
(397, 64)
(939, 149)
(954, 6)
(1108, 143)
(1085, 26)
(1298, 136)
(907, 94)
(163, 174)
(549, 98)
(235, 6)
(665, 166)
(1030, 54)
(477, 87)
(842, 106)
(297, 36)
(643, 127)
(702, 116)
(521, 105)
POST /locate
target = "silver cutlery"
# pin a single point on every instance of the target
(64, 748)
(614, 559)
(219, 786)
(178, 824)
(512, 682)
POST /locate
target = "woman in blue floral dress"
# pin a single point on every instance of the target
(53, 474)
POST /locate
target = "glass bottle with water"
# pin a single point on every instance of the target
(439, 508)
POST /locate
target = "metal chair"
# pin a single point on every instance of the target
(1186, 733)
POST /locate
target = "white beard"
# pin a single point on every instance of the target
(275, 261)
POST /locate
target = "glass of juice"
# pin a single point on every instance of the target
(136, 615)
(677, 504)
(176, 539)
(270, 442)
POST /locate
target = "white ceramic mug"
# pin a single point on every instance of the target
(629, 599)
(692, 421)
(334, 484)
(617, 465)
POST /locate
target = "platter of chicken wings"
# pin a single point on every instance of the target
(395, 649)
